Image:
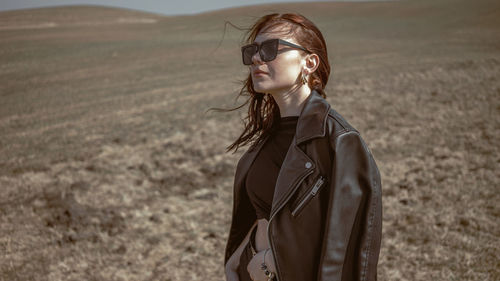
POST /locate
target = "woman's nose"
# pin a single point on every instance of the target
(256, 58)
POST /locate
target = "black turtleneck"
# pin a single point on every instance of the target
(262, 175)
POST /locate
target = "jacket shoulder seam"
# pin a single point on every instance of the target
(346, 127)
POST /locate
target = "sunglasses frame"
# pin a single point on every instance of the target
(259, 48)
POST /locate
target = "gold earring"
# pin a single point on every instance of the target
(304, 79)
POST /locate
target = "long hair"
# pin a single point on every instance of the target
(262, 109)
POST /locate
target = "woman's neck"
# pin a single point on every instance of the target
(291, 102)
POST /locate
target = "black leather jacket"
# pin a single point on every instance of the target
(326, 215)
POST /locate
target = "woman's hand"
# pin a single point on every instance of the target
(254, 266)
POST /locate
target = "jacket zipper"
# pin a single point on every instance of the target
(277, 210)
(309, 196)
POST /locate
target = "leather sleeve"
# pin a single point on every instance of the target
(351, 242)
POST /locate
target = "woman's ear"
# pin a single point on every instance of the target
(311, 64)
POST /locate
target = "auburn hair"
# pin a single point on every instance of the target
(263, 111)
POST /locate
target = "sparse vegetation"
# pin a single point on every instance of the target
(111, 170)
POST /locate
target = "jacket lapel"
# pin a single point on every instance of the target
(297, 164)
(293, 169)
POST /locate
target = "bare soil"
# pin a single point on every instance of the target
(111, 168)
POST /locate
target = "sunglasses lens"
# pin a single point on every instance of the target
(269, 50)
(247, 53)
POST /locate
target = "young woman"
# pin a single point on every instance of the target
(307, 193)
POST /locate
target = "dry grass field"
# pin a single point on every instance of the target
(111, 168)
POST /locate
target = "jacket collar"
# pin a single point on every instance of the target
(312, 118)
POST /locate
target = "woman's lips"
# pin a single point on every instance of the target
(259, 73)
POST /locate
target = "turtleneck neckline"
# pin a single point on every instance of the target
(287, 124)
(289, 118)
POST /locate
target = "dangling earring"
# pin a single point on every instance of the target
(304, 79)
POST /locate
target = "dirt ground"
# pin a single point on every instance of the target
(111, 168)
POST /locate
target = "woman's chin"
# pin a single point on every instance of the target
(261, 88)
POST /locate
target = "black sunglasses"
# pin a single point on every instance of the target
(268, 50)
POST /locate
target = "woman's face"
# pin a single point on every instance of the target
(281, 74)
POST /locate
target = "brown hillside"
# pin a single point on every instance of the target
(111, 169)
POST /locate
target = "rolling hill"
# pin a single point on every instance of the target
(111, 168)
